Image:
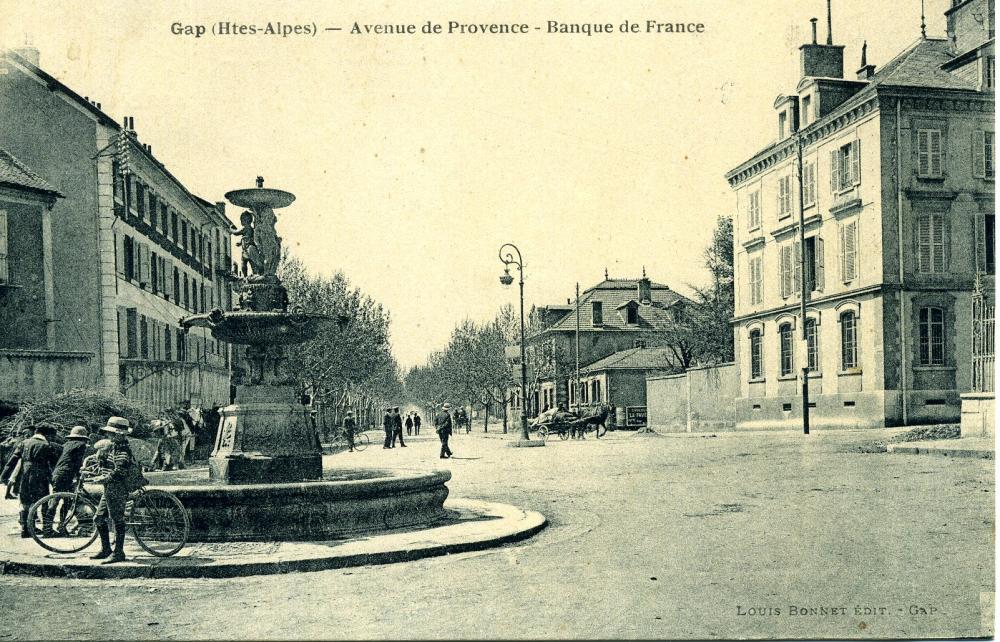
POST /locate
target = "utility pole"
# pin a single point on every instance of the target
(805, 289)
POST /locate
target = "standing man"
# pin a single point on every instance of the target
(66, 470)
(37, 457)
(123, 477)
(397, 428)
(442, 423)
(349, 427)
(416, 423)
(387, 425)
(409, 424)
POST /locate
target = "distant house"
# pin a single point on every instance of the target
(615, 315)
(620, 378)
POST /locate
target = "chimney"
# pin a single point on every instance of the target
(645, 291)
(822, 61)
(29, 53)
(866, 71)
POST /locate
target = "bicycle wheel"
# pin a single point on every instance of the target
(72, 517)
(159, 522)
(361, 442)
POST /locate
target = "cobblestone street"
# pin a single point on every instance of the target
(734, 535)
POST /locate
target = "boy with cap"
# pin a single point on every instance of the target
(123, 477)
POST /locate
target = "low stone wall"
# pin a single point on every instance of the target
(979, 415)
(698, 400)
(35, 374)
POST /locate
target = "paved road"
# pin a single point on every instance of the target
(675, 536)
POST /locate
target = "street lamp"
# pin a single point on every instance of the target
(506, 279)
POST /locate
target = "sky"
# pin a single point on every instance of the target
(415, 157)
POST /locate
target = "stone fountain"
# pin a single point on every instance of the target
(266, 477)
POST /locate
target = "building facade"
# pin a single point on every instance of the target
(615, 315)
(132, 249)
(893, 174)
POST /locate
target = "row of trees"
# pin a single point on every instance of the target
(472, 370)
(349, 367)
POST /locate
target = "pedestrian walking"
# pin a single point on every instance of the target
(442, 424)
(66, 470)
(409, 424)
(397, 428)
(416, 423)
(37, 457)
(387, 425)
(122, 476)
(349, 427)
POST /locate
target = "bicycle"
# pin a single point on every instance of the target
(157, 520)
(361, 441)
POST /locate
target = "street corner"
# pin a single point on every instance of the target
(470, 525)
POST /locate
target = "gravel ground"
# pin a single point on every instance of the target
(736, 535)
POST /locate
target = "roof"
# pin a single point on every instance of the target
(16, 174)
(617, 293)
(634, 359)
(918, 66)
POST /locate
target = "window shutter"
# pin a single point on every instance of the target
(923, 153)
(122, 333)
(979, 154)
(120, 255)
(842, 250)
(834, 172)
(856, 162)
(851, 251)
(4, 264)
(924, 244)
(797, 268)
(784, 281)
(820, 266)
(144, 262)
(936, 153)
(168, 278)
(937, 229)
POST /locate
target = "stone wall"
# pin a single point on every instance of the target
(698, 400)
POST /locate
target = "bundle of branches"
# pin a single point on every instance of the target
(78, 407)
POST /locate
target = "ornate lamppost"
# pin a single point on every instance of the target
(506, 279)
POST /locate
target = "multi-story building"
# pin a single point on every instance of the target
(130, 249)
(895, 181)
(615, 315)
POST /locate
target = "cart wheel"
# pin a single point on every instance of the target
(543, 432)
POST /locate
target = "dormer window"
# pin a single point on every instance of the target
(596, 314)
(806, 110)
(782, 125)
(631, 315)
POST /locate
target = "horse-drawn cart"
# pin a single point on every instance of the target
(567, 424)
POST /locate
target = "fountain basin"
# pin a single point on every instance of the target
(344, 503)
(259, 328)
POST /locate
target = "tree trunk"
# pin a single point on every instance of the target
(506, 401)
(486, 416)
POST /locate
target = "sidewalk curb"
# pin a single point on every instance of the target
(509, 524)
(954, 451)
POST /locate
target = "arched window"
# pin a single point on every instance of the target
(756, 355)
(848, 340)
(787, 364)
(931, 336)
(812, 345)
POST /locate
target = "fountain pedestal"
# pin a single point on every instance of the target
(265, 438)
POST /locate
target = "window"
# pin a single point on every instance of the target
(982, 155)
(812, 346)
(4, 265)
(848, 251)
(131, 333)
(784, 196)
(154, 272)
(848, 341)
(596, 313)
(143, 337)
(181, 345)
(595, 391)
(756, 355)
(990, 72)
(806, 110)
(845, 167)
(177, 286)
(187, 293)
(782, 125)
(632, 315)
(753, 210)
(153, 210)
(809, 184)
(756, 281)
(184, 236)
(815, 271)
(791, 269)
(129, 256)
(931, 337)
(989, 237)
(930, 244)
(164, 219)
(930, 154)
(167, 351)
(140, 198)
(787, 363)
